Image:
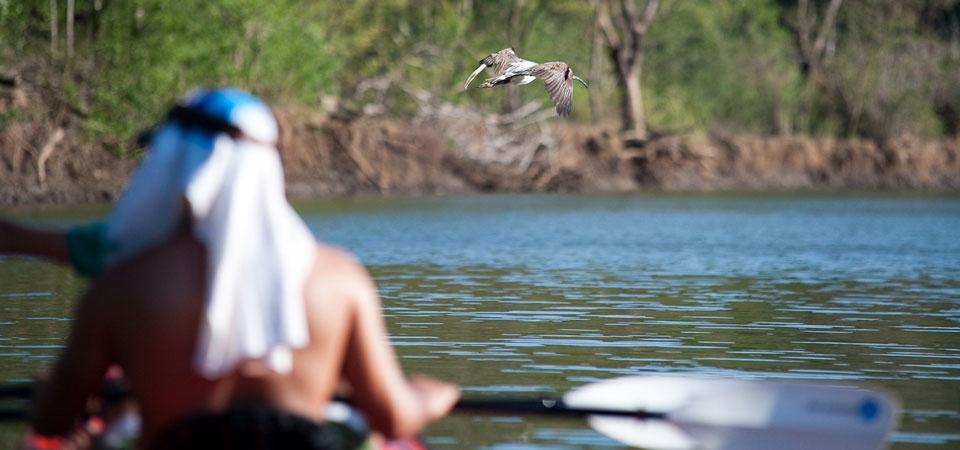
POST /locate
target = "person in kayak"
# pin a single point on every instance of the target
(232, 324)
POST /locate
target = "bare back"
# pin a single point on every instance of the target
(145, 316)
(148, 312)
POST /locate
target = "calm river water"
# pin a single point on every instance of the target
(534, 295)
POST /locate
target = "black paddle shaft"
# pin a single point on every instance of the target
(18, 390)
(116, 391)
(113, 390)
(551, 406)
(14, 414)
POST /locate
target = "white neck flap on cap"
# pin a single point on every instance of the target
(259, 251)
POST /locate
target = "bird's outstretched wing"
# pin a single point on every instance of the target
(501, 62)
(556, 77)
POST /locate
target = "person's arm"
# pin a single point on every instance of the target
(82, 247)
(79, 372)
(394, 405)
(20, 239)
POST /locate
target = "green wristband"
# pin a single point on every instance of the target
(86, 248)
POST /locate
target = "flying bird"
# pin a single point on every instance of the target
(505, 61)
(512, 69)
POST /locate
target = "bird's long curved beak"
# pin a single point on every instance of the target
(474, 75)
(581, 81)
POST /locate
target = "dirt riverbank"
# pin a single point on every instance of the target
(445, 151)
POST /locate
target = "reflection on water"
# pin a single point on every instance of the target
(534, 295)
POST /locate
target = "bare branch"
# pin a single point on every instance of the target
(606, 26)
(627, 54)
(803, 29)
(632, 40)
(45, 153)
(54, 34)
(820, 44)
(640, 32)
(70, 5)
(623, 22)
(596, 106)
(629, 13)
(955, 35)
(649, 13)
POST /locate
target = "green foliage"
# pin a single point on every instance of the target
(721, 63)
(147, 55)
(890, 67)
(7, 116)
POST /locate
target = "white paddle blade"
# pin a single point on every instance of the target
(652, 394)
(727, 414)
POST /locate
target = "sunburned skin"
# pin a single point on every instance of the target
(145, 316)
(25, 240)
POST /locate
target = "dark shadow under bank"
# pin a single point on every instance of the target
(328, 156)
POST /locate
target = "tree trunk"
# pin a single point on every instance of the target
(596, 105)
(70, 28)
(812, 50)
(624, 31)
(636, 124)
(54, 30)
(955, 35)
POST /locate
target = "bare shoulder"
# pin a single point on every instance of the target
(337, 272)
(333, 258)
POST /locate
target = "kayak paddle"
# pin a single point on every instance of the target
(688, 413)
